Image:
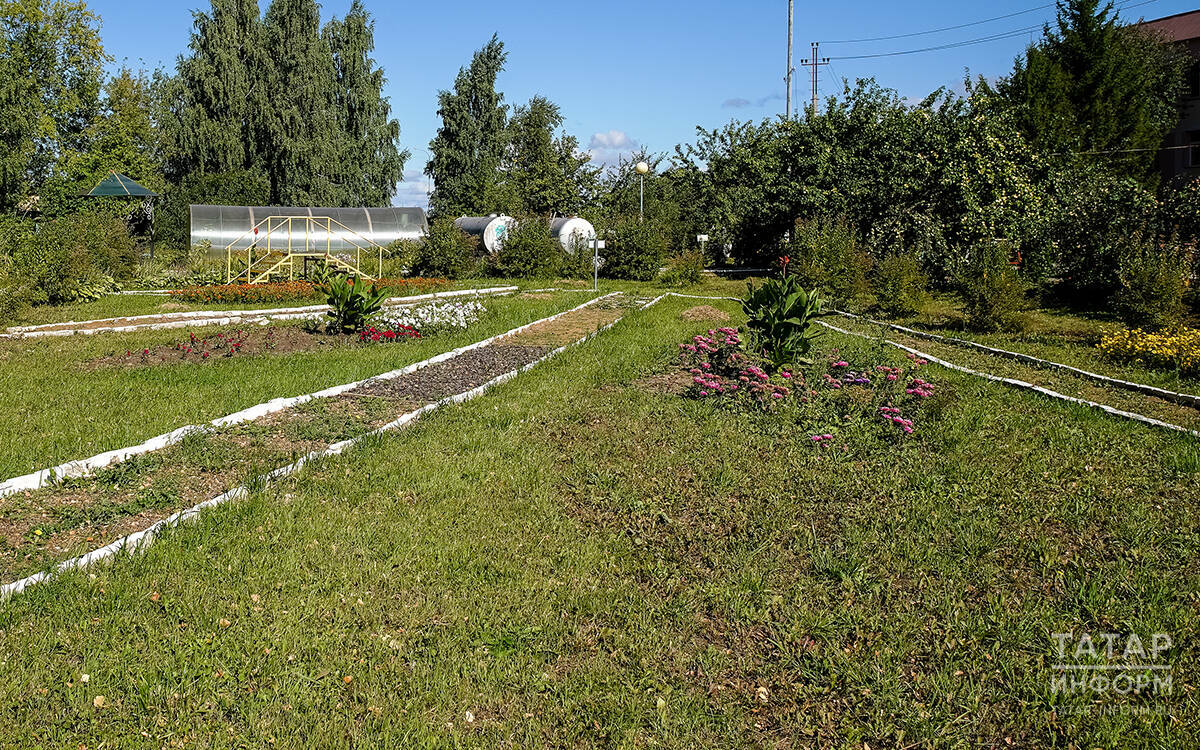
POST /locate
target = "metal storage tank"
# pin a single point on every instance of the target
(223, 225)
(571, 232)
(490, 229)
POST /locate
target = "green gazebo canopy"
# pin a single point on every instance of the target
(119, 186)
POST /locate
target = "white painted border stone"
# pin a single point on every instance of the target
(141, 540)
(83, 467)
(227, 317)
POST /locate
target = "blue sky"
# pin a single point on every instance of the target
(628, 73)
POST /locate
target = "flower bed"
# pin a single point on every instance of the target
(832, 393)
(1177, 349)
(290, 291)
(222, 345)
(434, 317)
(373, 335)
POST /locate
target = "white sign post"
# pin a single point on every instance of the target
(597, 246)
(703, 240)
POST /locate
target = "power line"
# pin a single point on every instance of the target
(979, 40)
(951, 45)
(1123, 151)
(938, 31)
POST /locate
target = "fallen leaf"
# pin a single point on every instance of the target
(98, 701)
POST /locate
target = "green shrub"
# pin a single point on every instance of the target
(993, 292)
(1151, 282)
(683, 269)
(633, 249)
(824, 253)
(447, 253)
(529, 251)
(70, 259)
(580, 262)
(351, 302)
(900, 286)
(779, 315)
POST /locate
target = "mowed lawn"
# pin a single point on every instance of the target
(580, 559)
(58, 406)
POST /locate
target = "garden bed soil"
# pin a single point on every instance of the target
(254, 340)
(566, 329)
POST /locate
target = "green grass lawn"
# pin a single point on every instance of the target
(577, 559)
(57, 409)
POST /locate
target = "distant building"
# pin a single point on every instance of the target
(1182, 29)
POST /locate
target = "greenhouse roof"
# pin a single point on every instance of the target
(121, 186)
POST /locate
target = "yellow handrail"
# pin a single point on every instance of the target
(276, 223)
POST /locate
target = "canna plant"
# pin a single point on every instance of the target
(351, 303)
(780, 315)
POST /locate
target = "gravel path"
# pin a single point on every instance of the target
(464, 372)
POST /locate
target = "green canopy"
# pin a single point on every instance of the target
(120, 186)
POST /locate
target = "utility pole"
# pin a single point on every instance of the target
(787, 113)
(815, 62)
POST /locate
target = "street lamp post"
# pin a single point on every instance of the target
(642, 169)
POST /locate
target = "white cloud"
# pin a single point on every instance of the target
(613, 140)
(742, 102)
(412, 192)
(606, 149)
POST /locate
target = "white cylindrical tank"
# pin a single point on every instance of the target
(572, 232)
(491, 230)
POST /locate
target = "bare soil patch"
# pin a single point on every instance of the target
(672, 383)
(704, 312)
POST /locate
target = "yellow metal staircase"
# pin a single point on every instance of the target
(278, 242)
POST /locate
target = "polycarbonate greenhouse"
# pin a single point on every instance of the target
(222, 225)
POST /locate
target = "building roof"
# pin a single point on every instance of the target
(1180, 27)
(117, 184)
